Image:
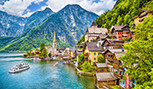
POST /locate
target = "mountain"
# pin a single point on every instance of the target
(70, 24)
(11, 25)
(37, 18)
(123, 13)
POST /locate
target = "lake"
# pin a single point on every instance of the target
(40, 75)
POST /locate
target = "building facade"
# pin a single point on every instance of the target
(143, 14)
(120, 32)
(93, 32)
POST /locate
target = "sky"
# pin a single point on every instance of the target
(25, 8)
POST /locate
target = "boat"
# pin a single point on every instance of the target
(19, 68)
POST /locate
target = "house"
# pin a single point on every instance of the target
(36, 53)
(66, 54)
(80, 46)
(120, 32)
(112, 44)
(93, 32)
(143, 14)
(72, 52)
(111, 56)
(102, 37)
(91, 51)
(101, 67)
(60, 52)
(77, 52)
(107, 77)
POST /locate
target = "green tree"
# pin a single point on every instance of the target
(29, 53)
(87, 67)
(139, 55)
(100, 58)
(44, 52)
(49, 54)
(82, 39)
(81, 58)
(42, 46)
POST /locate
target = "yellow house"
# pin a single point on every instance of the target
(36, 53)
(143, 14)
(91, 51)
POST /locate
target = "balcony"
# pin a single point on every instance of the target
(118, 75)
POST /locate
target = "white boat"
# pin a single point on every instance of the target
(19, 68)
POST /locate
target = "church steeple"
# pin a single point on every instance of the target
(54, 45)
(54, 37)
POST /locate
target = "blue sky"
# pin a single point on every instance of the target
(25, 8)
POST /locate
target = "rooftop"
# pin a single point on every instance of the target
(92, 46)
(147, 11)
(116, 28)
(95, 29)
(101, 65)
(107, 76)
(119, 51)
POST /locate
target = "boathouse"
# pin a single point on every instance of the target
(107, 78)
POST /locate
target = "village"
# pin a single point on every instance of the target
(98, 54)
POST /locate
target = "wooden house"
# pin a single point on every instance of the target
(143, 14)
(112, 44)
(111, 56)
(91, 51)
(107, 77)
(101, 67)
(93, 32)
(120, 32)
(102, 37)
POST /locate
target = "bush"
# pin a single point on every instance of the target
(29, 53)
(49, 54)
(101, 59)
(81, 58)
(74, 59)
(87, 67)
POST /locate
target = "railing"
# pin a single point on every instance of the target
(105, 86)
(118, 75)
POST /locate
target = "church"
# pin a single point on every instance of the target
(53, 49)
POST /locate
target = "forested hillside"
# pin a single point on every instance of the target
(123, 13)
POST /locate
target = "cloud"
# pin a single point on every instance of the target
(95, 6)
(17, 7)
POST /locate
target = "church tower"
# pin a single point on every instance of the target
(54, 45)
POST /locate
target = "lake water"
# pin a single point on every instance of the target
(40, 75)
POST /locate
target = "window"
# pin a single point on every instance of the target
(94, 58)
(94, 53)
(119, 36)
(116, 33)
(108, 56)
(119, 33)
(98, 53)
(127, 32)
